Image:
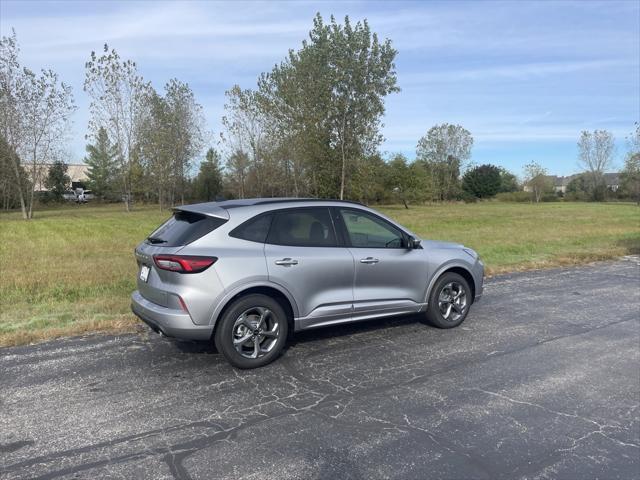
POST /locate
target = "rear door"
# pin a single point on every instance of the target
(303, 256)
(389, 278)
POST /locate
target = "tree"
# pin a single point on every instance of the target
(36, 110)
(508, 181)
(156, 148)
(11, 118)
(536, 180)
(238, 166)
(368, 182)
(630, 175)
(407, 181)
(171, 136)
(326, 101)
(11, 190)
(578, 188)
(443, 151)
(208, 183)
(57, 180)
(102, 172)
(118, 104)
(247, 129)
(186, 130)
(483, 181)
(595, 150)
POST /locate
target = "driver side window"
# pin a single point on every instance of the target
(368, 231)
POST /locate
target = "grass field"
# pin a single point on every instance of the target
(71, 270)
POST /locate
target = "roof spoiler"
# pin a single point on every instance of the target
(210, 209)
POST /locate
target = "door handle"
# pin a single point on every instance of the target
(287, 262)
(369, 260)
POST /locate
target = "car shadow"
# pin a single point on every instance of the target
(346, 329)
(312, 335)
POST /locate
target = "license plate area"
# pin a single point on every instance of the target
(144, 273)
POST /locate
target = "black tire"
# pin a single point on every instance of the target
(445, 289)
(231, 327)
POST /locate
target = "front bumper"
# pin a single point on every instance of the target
(479, 279)
(169, 322)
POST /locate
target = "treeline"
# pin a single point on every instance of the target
(311, 127)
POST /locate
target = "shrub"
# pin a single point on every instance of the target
(514, 196)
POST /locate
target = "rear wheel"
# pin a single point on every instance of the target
(252, 332)
(449, 301)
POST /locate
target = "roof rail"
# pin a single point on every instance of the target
(290, 200)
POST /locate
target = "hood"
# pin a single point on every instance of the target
(439, 244)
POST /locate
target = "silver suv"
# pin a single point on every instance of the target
(247, 273)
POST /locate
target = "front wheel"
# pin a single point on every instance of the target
(252, 332)
(449, 301)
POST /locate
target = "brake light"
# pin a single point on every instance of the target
(183, 263)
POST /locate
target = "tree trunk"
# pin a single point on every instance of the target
(33, 187)
(344, 160)
(19, 187)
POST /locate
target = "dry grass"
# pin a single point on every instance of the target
(71, 270)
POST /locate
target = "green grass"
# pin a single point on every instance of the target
(71, 270)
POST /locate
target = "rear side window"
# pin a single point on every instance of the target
(183, 228)
(308, 227)
(254, 230)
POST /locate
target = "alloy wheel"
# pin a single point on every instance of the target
(255, 332)
(452, 301)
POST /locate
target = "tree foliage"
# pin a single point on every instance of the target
(444, 151)
(315, 118)
(595, 150)
(11, 191)
(57, 180)
(508, 181)
(483, 181)
(102, 173)
(537, 181)
(35, 114)
(118, 105)
(630, 175)
(208, 182)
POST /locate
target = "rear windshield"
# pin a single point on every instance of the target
(183, 228)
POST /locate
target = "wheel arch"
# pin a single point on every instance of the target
(453, 268)
(282, 297)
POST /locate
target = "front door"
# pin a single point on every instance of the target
(389, 278)
(303, 256)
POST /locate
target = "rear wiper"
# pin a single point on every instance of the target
(155, 240)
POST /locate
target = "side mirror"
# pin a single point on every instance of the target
(413, 243)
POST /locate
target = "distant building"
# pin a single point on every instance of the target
(612, 181)
(77, 172)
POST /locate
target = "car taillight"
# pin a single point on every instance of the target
(183, 263)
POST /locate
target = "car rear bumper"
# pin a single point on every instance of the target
(169, 322)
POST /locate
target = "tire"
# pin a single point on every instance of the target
(449, 301)
(261, 322)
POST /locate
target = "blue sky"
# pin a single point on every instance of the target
(524, 77)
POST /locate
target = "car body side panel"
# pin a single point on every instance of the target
(442, 261)
(321, 282)
(395, 283)
(243, 287)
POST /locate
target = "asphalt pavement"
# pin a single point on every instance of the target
(541, 381)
